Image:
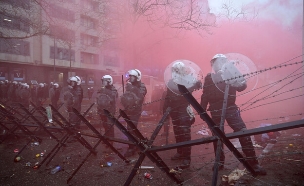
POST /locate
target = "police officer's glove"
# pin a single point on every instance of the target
(239, 83)
(129, 86)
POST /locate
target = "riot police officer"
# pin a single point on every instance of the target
(213, 95)
(18, 92)
(12, 91)
(73, 98)
(161, 110)
(1, 88)
(106, 99)
(25, 95)
(40, 95)
(132, 100)
(181, 115)
(4, 89)
(34, 91)
(90, 92)
(54, 94)
(78, 93)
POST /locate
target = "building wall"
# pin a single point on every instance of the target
(39, 64)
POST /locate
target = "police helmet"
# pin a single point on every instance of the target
(107, 78)
(56, 85)
(217, 56)
(78, 80)
(73, 79)
(136, 73)
(218, 61)
(178, 67)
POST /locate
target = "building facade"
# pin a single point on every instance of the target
(49, 41)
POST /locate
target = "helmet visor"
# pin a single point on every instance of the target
(132, 78)
(106, 81)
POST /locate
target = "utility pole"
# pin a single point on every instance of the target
(54, 60)
(302, 90)
(70, 55)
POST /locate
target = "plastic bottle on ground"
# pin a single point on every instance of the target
(267, 148)
(55, 170)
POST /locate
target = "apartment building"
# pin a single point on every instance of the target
(50, 41)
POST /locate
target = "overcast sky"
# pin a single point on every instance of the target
(283, 11)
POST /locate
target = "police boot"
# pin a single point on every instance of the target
(248, 149)
(256, 167)
(185, 164)
(178, 155)
(186, 152)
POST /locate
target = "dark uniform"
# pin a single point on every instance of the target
(106, 99)
(12, 91)
(214, 96)
(54, 96)
(162, 111)
(77, 93)
(34, 93)
(132, 101)
(90, 92)
(182, 122)
(40, 95)
(25, 95)
(4, 89)
(72, 97)
(19, 87)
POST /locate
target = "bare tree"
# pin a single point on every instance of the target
(137, 22)
(232, 13)
(177, 14)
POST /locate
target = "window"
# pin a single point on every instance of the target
(88, 40)
(91, 79)
(3, 73)
(62, 53)
(89, 58)
(18, 74)
(62, 13)
(88, 22)
(13, 22)
(15, 46)
(83, 79)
